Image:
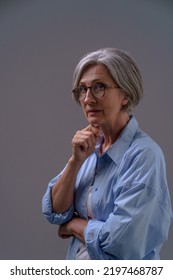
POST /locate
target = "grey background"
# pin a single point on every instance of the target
(40, 43)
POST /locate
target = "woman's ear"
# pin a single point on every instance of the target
(125, 101)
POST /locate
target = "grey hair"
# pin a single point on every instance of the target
(122, 68)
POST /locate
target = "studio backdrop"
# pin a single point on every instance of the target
(40, 43)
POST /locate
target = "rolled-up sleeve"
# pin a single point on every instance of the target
(52, 217)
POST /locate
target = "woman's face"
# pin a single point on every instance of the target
(105, 111)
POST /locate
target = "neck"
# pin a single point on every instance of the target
(112, 132)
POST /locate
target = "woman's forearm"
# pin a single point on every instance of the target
(75, 227)
(63, 190)
(83, 144)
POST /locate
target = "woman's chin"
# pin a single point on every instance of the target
(95, 123)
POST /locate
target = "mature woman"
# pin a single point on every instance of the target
(112, 197)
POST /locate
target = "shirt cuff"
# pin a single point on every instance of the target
(55, 218)
(91, 235)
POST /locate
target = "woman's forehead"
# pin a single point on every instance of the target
(95, 73)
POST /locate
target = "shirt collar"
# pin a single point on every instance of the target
(118, 149)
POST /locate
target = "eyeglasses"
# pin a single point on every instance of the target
(97, 91)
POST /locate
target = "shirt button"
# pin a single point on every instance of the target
(96, 189)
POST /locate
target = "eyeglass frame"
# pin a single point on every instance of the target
(75, 92)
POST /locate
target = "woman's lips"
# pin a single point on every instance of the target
(93, 111)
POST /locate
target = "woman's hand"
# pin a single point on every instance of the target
(83, 143)
(75, 227)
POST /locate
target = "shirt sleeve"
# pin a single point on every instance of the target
(139, 223)
(52, 217)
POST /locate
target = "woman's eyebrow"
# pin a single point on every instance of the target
(92, 82)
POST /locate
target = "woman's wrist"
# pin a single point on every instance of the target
(75, 163)
(77, 227)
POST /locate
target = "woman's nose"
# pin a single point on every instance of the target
(89, 96)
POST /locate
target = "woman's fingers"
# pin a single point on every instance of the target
(84, 141)
(87, 137)
(63, 231)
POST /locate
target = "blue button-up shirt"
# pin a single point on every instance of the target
(130, 200)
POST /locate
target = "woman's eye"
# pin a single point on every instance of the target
(99, 86)
(82, 89)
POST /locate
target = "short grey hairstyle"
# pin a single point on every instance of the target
(122, 68)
